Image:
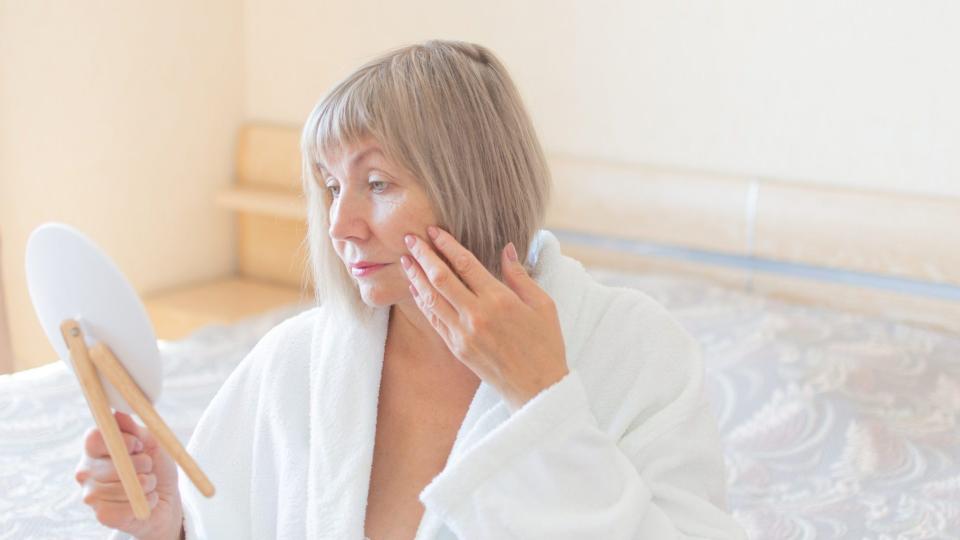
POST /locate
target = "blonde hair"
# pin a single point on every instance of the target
(449, 113)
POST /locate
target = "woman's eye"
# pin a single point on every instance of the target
(378, 186)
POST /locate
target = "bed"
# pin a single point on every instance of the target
(835, 425)
(829, 321)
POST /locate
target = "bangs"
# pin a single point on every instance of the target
(344, 118)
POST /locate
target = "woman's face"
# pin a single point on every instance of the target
(375, 203)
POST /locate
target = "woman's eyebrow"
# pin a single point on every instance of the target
(369, 151)
(354, 161)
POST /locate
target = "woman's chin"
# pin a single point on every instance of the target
(375, 297)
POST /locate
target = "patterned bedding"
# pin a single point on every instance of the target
(835, 425)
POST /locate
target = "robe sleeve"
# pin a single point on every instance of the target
(549, 471)
(222, 445)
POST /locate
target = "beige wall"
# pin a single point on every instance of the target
(119, 118)
(861, 94)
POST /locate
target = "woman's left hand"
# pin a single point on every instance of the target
(508, 333)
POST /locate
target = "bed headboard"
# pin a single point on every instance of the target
(896, 255)
(871, 252)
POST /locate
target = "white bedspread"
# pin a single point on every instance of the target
(835, 425)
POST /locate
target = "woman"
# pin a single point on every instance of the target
(460, 378)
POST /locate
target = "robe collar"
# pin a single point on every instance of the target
(345, 369)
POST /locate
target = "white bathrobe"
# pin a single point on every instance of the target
(624, 447)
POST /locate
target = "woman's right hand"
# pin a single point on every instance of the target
(156, 470)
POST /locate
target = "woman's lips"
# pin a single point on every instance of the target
(363, 271)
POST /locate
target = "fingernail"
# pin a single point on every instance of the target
(409, 240)
(511, 252)
(413, 291)
(405, 262)
(433, 232)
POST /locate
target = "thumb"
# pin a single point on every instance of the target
(515, 275)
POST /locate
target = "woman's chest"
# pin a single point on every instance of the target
(418, 417)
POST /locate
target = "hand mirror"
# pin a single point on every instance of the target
(100, 329)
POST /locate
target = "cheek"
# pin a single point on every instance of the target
(397, 218)
(338, 246)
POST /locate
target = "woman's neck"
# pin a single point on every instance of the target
(409, 331)
(415, 349)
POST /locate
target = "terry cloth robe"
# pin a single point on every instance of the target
(623, 447)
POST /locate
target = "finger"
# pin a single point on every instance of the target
(434, 319)
(104, 470)
(440, 275)
(464, 263)
(438, 272)
(113, 491)
(118, 514)
(96, 447)
(428, 299)
(516, 277)
(129, 425)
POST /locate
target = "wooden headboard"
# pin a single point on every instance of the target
(863, 251)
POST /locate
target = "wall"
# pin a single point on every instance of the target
(118, 118)
(848, 93)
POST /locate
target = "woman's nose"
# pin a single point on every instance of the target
(347, 218)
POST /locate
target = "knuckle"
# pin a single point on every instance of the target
(429, 300)
(105, 471)
(501, 301)
(148, 481)
(463, 263)
(478, 323)
(439, 278)
(143, 463)
(89, 497)
(129, 441)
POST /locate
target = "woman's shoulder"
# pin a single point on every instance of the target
(633, 319)
(298, 323)
(614, 329)
(282, 346)
(294, 329)
(636, 354)
(615, 316)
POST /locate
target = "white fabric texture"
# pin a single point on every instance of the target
(624, 447)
